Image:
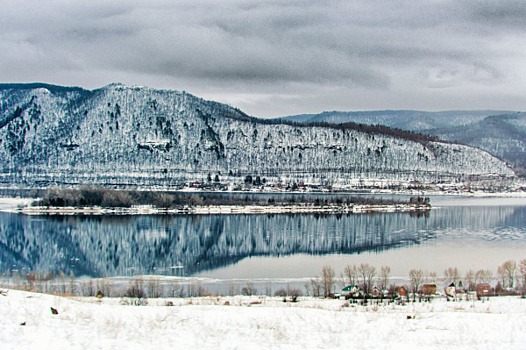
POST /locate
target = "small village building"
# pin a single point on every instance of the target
(376, 292)
(401, 292)
(483, 290)
(451, 290)
(429, 289)
(352, 291)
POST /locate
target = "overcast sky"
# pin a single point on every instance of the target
(275, 57)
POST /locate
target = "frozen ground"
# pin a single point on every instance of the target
(257, 323)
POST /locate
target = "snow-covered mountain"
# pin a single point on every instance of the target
(501, 133)
(123, 135)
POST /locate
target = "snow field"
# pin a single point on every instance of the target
(257, 323)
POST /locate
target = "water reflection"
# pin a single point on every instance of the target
(188, 245)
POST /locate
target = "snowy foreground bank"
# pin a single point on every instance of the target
(257, 323)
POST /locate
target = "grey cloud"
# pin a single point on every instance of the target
(296, 48)
(508, 14)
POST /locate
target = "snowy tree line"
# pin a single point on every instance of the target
(509, 280)
(104, 197)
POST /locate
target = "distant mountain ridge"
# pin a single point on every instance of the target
(502, 133)
(138, 136)
(404, 119)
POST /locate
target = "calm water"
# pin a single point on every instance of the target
(462, 232)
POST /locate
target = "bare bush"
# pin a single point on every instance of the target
(282, 292)
(113, 199)
(135, 293)
(164, 200)
(249, 289)
(294, 294)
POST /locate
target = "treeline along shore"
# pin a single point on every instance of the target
(91, 200)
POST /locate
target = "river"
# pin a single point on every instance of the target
(463, 232)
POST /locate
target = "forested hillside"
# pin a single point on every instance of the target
(501, 133)
(120, 135)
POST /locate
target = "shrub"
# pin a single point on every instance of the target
(249, 289)
(135, 293)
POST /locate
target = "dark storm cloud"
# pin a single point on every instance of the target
(500, 14)
(324, 55)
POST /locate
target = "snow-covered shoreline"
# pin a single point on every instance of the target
(256, 322)
(223, 209)
(23, 205)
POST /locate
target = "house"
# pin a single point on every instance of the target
(352, 291)
(451, 290)
(376, 292)
(401, 292)
(483, 290)
(429, 289)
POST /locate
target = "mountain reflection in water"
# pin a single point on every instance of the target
(103, 246)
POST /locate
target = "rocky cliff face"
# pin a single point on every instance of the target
(140, 136)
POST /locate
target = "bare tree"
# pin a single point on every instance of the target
(451, 275)
(154, 287)
(416, 277)
(88, 288)
(522, 273)
(470, 280)
(72, 284)
(506, 273)
(268, 288)
(103, 286)
(307, 289)
(315, 284)
(62, 286)
(385, 274)
(483, 276)
(327, 276)
(367, 274)
(178, 290)
(350, 273)
(233, 288)
(432, 277)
